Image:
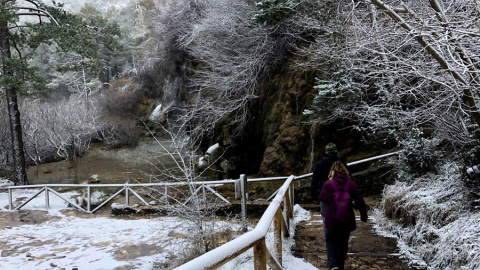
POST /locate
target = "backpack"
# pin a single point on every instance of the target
(342, 204)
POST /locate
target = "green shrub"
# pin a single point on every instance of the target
(420, 155)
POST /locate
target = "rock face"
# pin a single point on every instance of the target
(276, 140)
(279, 140)
(285, 136)
(372, 180)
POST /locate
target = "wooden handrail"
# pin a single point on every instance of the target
(256, 238)
(252, 239)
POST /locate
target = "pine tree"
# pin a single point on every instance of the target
(24, 26)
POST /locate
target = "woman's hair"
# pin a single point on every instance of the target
(337, 166)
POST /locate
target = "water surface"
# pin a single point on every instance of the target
(137, 164)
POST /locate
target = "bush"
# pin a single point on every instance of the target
(272, 12)
(120, 131)
(123, 98)
(419, 155)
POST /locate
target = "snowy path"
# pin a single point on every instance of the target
(367, 250)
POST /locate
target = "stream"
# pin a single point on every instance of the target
(109, 166)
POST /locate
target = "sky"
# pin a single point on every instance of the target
(98, 243)
(101, 5)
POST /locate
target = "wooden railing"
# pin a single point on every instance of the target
(276, 214)
(279, 212)
(256, 238)
(125, 189)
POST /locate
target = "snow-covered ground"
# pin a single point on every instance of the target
(89, 242)
(435, 227)
(245, 261)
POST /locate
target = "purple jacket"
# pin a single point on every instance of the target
(326, 195)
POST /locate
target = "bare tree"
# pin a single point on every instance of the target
(401, 66)
(59, 128)
(447, 31)
(178, 162)
(20, 36)
(230, 55)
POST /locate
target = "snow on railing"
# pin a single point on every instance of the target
(256, 238)
(123, 188)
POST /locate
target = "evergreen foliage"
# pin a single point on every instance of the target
(22, 36)
(88, 39)
(420, 155)
(271, 12)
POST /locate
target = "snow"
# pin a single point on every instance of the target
(444, 233)
(245, 261)
(101, 5)
(211, 150)
(5, 182)
(88, 243)
(93, 242)
(202, 162)
(156, 112)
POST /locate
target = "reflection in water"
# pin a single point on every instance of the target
(112, 166)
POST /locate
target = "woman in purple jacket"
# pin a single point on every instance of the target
(340, 217)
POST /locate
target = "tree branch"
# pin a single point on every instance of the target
(434, 53)
(45, 13)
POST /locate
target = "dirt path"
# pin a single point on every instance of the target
(367, 250)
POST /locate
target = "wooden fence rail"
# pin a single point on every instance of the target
(278, 213)
(255, 239)
(241, 191)
(125, 189)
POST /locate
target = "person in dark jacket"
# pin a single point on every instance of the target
(337, 234)
(320, 174)
(321, 170)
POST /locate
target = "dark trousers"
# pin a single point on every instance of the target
(337, 247)
(337, 243)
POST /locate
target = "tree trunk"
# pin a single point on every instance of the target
(13, 111)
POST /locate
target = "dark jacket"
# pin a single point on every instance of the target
(326, 195)
(320, 174)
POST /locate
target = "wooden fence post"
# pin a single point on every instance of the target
(47, 199)
(89, 201)
(287, 206)
(277, 227)
(260, 255)
(166, 194)
(204, 195)
(126, 196)
(292, 198)
(238, 188)
(243, 183)
(10, 199)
